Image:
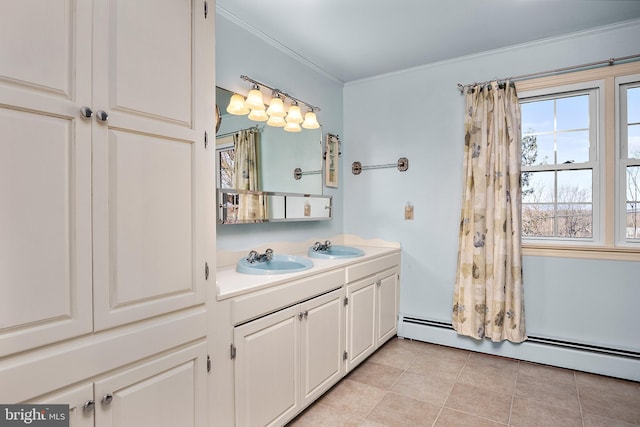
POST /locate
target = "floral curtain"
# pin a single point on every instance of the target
(245, 176)
(489, 296)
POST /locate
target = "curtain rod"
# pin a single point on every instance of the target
(608, 62)
(299, 101)
(255, 128)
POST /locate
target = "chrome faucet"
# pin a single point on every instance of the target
(255, 257)
(322, 247)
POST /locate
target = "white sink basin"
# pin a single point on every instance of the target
(336, 252)
(279, 264)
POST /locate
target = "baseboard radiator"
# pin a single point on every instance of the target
(620, 363)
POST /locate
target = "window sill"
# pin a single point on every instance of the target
(590, 252)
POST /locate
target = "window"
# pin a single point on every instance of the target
(629, 169)
(559, 163)
(581, 163)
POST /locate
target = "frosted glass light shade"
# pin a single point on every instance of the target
(292, 127)
(276, 108)
(254, 100)
(236, 105)
(276, 121)
(258, 115)
(294, 115)
(310, 121)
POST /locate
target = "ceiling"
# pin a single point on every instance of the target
(355, 39)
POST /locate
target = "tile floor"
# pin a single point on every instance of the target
(411, 383)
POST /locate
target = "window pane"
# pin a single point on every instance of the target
(537, 187)
(538, 150)
(537, 220)
(572, 112)
(575, 186)
(633, 141)
(575, 220)
(227, 158)
(633, 105)
(573, 147)
(633, 221)
(537, 116)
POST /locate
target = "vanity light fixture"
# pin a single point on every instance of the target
(294, 115)
(276, 106)
(310, 120)
(236, 105)
(254, 99)
(277, 114)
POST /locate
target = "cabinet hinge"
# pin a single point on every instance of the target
(232, 351)
(346, 300)
(206, 9)
(345, 355)
(206, 271)
(208, 363)
(206, 139)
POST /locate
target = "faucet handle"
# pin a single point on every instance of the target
(327, 244)
(269, 254)
(251, 258)
(316, 246)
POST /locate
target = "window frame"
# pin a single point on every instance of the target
(609, 245)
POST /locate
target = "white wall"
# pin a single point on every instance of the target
(418, 113)
(238, 52)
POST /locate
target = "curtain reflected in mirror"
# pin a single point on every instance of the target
(246, 175)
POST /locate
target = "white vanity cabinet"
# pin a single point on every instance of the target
(285, 360)
(168, 390)
(372, 292)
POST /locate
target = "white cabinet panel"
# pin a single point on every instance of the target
(361, 332)
(75, 398)
(266, 367)
(39, 59)
(387, 305)
(45, 249)
(322, 332)
(169, 391)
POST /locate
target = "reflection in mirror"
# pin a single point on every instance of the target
(277, 155)
(247, 207)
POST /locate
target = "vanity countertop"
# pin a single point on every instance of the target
(230, 283)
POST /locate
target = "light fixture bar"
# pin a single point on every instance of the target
(299, 101)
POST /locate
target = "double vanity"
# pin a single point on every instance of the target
(297, 319)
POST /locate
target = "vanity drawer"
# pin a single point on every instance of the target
(367, 268)
(266, 301)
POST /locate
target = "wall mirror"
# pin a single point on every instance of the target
(286, 164)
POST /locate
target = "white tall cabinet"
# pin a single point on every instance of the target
(106, 204)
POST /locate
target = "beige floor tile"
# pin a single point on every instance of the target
(437, 362)
(428, 388)
(398, 353)
(320, 415)
(353, 398)
(554, 393)
(591, 420)
(606, 384)
(489, 378)
(618, 403)
(480, 402)
(546, 372)
(398, 411)
(503, 363)
(452, 418)
(532, 413)
(375, 375)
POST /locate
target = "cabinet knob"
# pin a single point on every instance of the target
(106, 399)
(300, 315)
(86, 113)
(102, 115)
(88, 405)
(305, 313)
(378, 282)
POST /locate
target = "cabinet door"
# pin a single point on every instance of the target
(361, 319)
(165, 392)
(76, 398)
(387, 306)
(148, 159)
(267, 368)
(45, 173)
(322, 342)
